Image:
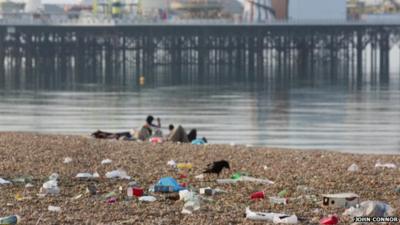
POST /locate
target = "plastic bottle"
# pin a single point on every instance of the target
(226, 181)
(283, 193)
(54, 208)
(278, 201)
(14, 219)
(147, 199)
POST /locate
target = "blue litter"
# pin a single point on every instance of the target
(167, 184)
(198, 141)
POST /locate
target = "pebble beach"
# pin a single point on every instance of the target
(321, 172)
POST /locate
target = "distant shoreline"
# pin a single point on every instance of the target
(249, 146)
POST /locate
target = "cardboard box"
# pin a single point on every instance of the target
(341, 200)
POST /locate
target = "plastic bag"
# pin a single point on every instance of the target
(50, 187)
(370, 208)
(353, 168)
(106, 161)
(121, 174)
(2, 181)
(87, 175)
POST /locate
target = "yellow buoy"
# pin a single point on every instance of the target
(141, 80)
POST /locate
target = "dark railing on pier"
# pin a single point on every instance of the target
(124, 52)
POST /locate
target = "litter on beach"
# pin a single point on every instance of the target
(10, 220)
(353, 168)
(54, 208)
(147, 199)
(270, 217)
(244, 179)
(106, 161)
(67, 160)
(3, 181)
(341, 200)
(119, 174)
(87, 175)
(385, 165)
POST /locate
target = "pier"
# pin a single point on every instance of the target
(122, 52)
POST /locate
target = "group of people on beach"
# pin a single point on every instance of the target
(152, 131)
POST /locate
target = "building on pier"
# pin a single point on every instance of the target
(317, 10)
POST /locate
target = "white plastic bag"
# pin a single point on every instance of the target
(67, 160)
(51, 187)
(87, 175)
(370, 208)
(353, 168)
(147, 199)
(2, 181)
(121, 174)
(106, 161)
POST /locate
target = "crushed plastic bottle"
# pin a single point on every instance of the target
(22, 179)
(278, 201)
(120, 174)
(353, 168)
(147, 199)
(54, 208)
(50, 187)
(87, 175)
(10, 220)
(370, 208)
(256, 180)
(244, 178)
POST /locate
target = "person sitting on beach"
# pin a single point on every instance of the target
(149, 124)
(147, 129)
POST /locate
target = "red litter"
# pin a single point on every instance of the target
(257, 195)
(331, 220)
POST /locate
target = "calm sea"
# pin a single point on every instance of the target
(309, 113)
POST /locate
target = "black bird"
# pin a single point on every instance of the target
(217, 167)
